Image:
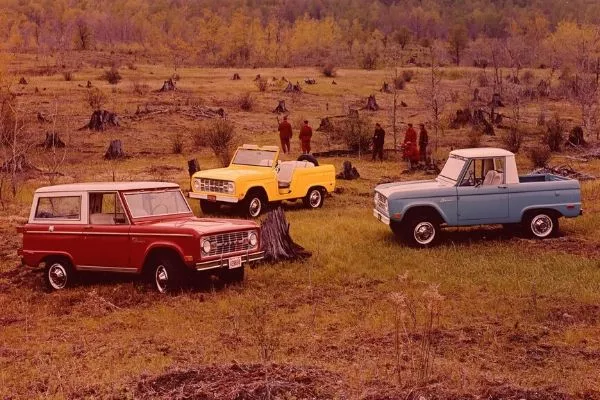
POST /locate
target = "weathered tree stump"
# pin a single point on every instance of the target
(193, 166)
(385, 88)
(101, 119)
(290, 88)
(326, 125)
(257, 77)
(576, 137)
(482, 123)
(52, 141)
(236, 77)
(42, 118)
(18, 164)
(89, 85)
(276, 241)
(333, 82)
(372, 104)
(115, 150)
(403, 104)
(462, 118)
(310, 81)
(23, 81)
(168, 85)
(280, 107)
(348, 172)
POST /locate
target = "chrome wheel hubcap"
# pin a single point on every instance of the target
(57, 275)
(255, 206)
(162, 278)
(315, 198)
(424, 232)
(541, 225)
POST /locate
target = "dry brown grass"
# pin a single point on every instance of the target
(517, 315)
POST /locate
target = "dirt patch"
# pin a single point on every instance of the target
(243, 382)
(566, 245)
(21, 276)
(571, 314)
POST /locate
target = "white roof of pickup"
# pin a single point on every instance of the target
(481, 152)
(106, 186)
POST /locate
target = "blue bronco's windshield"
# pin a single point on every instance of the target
(453, 168)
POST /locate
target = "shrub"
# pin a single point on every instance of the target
(68, 75)
(554, 136)
(177, 143)
(527, 77)
(131, 66)
(328, 70)
(246, 101)
(539, 156)
(454, 96)
(482, 80)
(140, 88)
(356, 133)
(513, 140)
(369, 60)
(96, 98)
(399, 83)
(112, 76)
(261, 84)
(220, 136)
(407, 75)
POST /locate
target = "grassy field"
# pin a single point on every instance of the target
(486, 314)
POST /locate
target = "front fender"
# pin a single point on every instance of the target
(405, 208)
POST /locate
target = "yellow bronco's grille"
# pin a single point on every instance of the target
(213, 185)
(225, 243)
(381, 203)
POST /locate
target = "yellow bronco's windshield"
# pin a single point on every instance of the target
(258, 158)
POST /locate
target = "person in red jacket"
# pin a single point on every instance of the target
(285, 134)
(410, 149)
(305, 136)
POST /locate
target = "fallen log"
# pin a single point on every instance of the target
(276, 241)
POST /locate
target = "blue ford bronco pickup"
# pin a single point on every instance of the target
(477, 187)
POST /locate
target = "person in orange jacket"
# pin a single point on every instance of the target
(305, 136)
(285, 134)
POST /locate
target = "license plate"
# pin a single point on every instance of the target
(211, 197)
(235, 262)
(379, 216)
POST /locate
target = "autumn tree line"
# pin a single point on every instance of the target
(357, 33)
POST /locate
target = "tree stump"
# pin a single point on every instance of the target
(372, 103)
(576, 137)
(42, 118)
(403, 104)
(100, 119)
(333, 82)
(326, 125)
(168, 85)
(385, 88)
(462, 118)
(280, 107)
(482, 123)
(348, 172)
(236, 77)
(310, 81)
(291, 88)
(257, 77)
(193, 166)
(52, 141)
(23, 81)
(496, 101)
(115, 150)
(276, 241)
(89, 85)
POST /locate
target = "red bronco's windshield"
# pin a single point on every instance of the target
(156, 203)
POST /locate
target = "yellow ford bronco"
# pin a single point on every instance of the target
(256, 177)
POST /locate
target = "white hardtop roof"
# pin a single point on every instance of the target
(106, 186)
(481, 152)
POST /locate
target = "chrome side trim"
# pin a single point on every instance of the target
(113, 233)
(162, 234)
(128, 270)
(218, 198)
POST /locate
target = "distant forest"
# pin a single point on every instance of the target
(363, 33)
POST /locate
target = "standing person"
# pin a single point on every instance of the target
(411, 151)
(285, 134)
(305, 135)
(423, 142)
(378, 139)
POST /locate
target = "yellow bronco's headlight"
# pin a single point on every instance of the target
(196, 184)
(230, 187)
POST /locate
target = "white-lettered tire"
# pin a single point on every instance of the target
(540, 224)
(165, 275)
(314, 198)
(58, 274)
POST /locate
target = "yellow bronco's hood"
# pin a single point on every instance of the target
(235, 172)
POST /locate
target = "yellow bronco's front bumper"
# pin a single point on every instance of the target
(213, 197)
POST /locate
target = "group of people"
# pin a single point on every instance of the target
(413, 149)
(285, 135)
